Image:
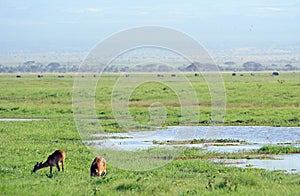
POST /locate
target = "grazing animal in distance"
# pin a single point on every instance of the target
(275, 73)
(53, 160)
(98, 167)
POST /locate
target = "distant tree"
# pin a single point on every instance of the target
(53, 67)
(164, 68)
(191, 67)
(28, 63)
(230, 63)
(124, 69)
(289, 67)
(252, 66)
(2, 69)
(74, 68)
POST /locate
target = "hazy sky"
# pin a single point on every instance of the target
(57, 25)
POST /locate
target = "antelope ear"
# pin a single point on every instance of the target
(41, 162)
(37, 163)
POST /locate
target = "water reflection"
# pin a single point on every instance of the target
(255, 137)
(289, 163)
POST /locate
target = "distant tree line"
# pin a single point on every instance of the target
(255, 66)
(36, 67)
(55, 67)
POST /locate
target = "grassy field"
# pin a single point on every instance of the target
(251, 100)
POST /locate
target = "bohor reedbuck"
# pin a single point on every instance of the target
(98, 167)
(54, 159)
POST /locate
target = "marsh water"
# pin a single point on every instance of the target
(290, 163)
(252, 137)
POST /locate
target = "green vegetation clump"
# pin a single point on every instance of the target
(200, 141)
(278, 149)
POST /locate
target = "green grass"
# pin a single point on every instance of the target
(258, 100)
(24, 143)
(278, 149)
(250, 100)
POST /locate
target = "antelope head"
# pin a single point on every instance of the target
(37, 166)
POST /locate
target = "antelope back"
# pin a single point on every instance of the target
(57, 156)
(98, 167)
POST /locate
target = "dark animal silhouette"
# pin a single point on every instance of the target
(53, 160)
(275, 73)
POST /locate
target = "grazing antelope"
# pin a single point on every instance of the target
(53, 160)
(98, 167)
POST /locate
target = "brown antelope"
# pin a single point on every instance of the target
(98, 167)
(53, 160)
